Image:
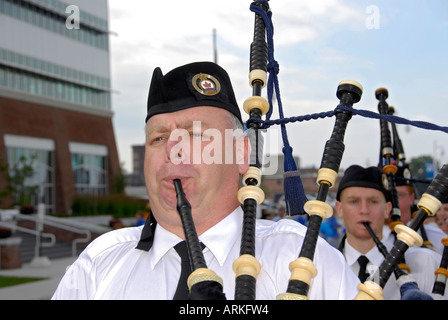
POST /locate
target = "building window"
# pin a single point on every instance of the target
(89, 164)
(21, 80)
(93, 33)
(20, 61)
(40, 154)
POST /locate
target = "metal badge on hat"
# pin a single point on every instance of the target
(385, 181)
(407, 173)
(206, 84)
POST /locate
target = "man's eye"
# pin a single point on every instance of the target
(196, 135)
(158, 139)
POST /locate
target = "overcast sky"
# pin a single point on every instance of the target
(399, 45)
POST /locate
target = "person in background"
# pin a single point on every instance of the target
(442, 217)
(407, 200)
(362, 198)
(116, 224)
(280, 215)
(329, 230)
(140, 216)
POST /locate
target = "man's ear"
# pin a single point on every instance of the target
(338, 208)
(412, 197)
(243, 150)
(388, 206)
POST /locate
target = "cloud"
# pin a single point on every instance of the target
(178, 32)
(300, 21)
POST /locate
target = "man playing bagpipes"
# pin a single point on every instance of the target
(191, 114)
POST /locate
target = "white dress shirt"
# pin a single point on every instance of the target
(111, 267)
(434, 233)
(435, 236)
(422, 262)
(391, 291)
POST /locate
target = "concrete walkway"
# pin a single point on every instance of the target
(37, 290)
(44, 289)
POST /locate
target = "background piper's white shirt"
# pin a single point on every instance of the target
(112, 268)
(422, 262)
(434, 233)
(435, 236)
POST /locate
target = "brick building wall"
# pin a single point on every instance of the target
(62, 126)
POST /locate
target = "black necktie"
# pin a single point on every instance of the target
(182, 287)
(363, 275)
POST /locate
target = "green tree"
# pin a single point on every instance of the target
(21, 171)
(6, 191)
(119, 182)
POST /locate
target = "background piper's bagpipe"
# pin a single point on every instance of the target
(205, 284)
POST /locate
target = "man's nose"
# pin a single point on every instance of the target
(364, 206)
(178, 148)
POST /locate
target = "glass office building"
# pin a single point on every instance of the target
(55, 97)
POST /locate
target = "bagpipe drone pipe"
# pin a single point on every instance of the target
(438, 289)
(246, 267)
(387, 152)
(303, 269)
(388, 165)
(409, 289)
(405, 176)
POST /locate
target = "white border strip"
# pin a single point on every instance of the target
(88, 148)
(26, 142)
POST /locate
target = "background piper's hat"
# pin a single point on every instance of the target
(403, 176)
(192, 85)
(357, 176)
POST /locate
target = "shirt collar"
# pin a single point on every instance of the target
(223, 236)
(163, 242)
(351, 255)
(386, 232)
(218, 239)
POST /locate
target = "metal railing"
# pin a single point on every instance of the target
(38, 234)
(40, 220)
